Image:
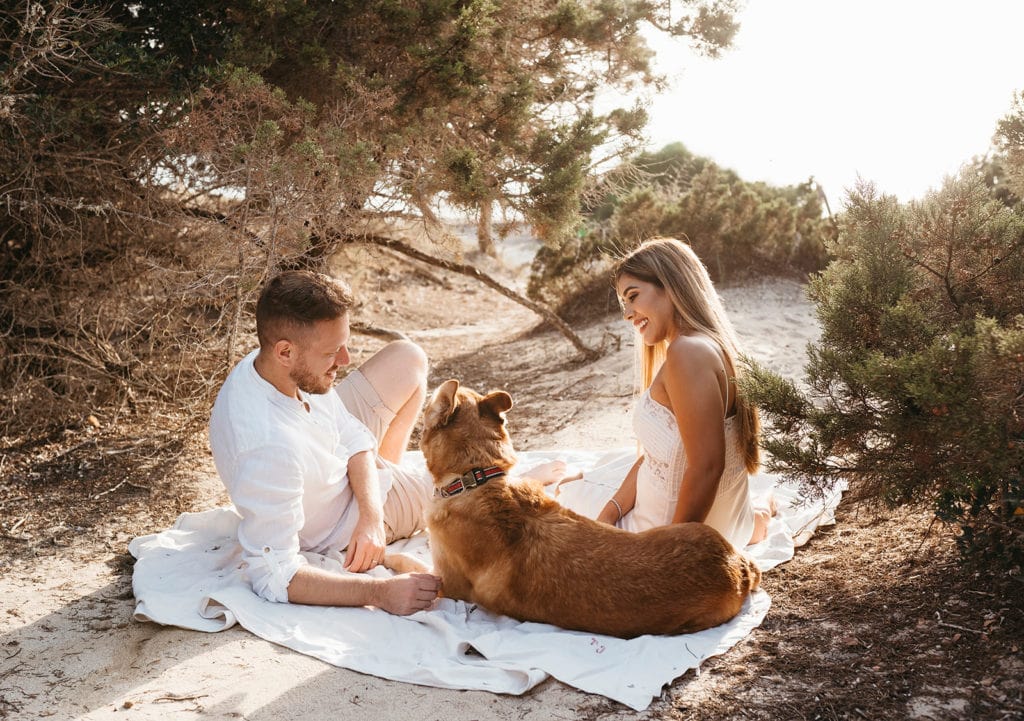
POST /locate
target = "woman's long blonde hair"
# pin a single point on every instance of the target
(672, 265)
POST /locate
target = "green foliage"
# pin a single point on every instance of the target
(917, 383)
(1009, 143)
(472, 103)
(410, 82)
(736, 227)
(160, 158)
(1002, 169)
(992, 170)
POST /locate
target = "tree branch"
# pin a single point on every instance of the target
(473, 272)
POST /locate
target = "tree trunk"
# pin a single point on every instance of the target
(484, 237)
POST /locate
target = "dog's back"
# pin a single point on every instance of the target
(541, 562)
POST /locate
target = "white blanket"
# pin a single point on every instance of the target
(189, 576)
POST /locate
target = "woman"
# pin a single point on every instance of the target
(698, 434)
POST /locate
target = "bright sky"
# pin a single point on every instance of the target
(899, 92)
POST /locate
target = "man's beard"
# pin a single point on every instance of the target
(309, 382)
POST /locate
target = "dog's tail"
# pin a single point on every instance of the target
(750, 575)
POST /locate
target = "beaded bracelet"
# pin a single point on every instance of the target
(617, 508)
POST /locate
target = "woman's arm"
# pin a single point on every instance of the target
(625, 497)
(693, 378)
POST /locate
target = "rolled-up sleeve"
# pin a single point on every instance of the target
(267, 493)
(353, 434)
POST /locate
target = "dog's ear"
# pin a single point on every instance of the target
(442, 404)
(497, 402)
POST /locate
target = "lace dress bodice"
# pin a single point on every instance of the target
(661, 473)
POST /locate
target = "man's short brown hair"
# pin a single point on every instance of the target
(292, 301)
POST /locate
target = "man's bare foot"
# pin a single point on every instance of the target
(407, 593)
(552, 472)
(404, 563)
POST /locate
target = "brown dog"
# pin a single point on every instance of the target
(517, 552)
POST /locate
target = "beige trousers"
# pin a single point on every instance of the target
(410, 491)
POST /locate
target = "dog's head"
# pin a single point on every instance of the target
(463, 429)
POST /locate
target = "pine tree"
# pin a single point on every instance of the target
(159, 158)
(917, 384)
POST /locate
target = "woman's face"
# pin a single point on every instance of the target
(648, 308)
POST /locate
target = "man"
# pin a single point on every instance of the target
(311, 467)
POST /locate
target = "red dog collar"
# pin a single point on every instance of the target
(470, 479)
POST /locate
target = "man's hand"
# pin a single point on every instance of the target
(407, 593)
(366, 549)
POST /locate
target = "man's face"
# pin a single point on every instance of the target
(320, 352)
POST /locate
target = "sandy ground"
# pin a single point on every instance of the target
(69, 648)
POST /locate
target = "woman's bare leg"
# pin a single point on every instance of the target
(552, 472)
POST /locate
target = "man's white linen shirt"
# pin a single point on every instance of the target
(286, 470)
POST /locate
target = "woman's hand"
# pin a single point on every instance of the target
(611, 513)
(624, 499)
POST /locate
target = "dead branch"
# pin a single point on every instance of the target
(109, 490)
(422, 272)
(960, 628)
(122, 483)
(377, 331)
(160, 699)
(474, 272)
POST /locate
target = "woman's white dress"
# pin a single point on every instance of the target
(660, 475)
